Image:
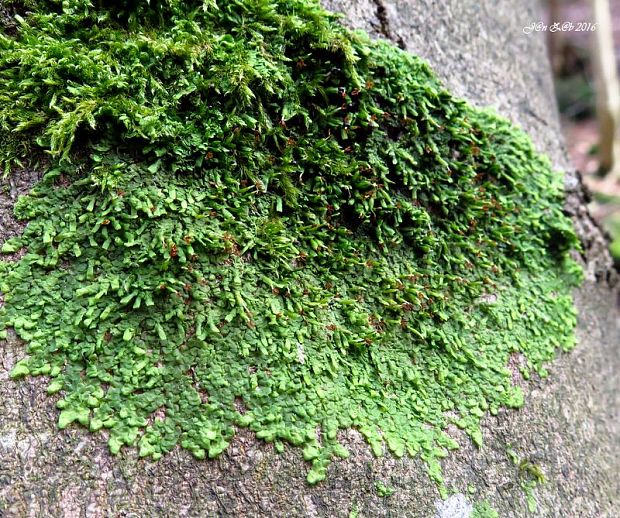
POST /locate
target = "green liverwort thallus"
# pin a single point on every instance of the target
(254, 217)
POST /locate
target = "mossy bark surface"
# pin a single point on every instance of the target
(568, 428)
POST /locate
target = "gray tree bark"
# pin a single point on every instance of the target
(569, 426)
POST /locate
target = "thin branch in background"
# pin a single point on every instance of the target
(607, 90)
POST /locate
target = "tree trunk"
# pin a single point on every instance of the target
(569, 427)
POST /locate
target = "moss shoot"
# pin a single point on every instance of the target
(253, 217)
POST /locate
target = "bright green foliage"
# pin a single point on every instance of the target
(384, 490)
(484, 510)
(531, 475)
(254, 217)
(529, 487)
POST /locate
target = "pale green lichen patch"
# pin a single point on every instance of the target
(257, 218)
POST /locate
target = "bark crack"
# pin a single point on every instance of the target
(384, 24)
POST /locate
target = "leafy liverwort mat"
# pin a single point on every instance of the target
(253, 217)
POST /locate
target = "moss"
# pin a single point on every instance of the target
(384, 490)
(530, 476)
(254, 217)
(528, 489)
(484, 510)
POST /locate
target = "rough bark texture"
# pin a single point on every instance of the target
(569, 426)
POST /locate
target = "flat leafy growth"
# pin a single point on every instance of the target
(254, 217)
